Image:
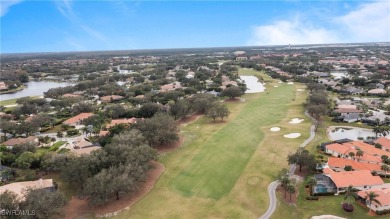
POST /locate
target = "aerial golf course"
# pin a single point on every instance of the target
(223, 169)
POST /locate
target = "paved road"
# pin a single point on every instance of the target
(272, 187)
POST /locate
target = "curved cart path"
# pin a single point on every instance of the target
(272, 187)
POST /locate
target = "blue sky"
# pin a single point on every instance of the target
(49, 26)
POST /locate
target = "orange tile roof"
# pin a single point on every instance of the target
(15, 141)
(111, 97)
(342, 162)
(121, 121)
(77, 118)
(103, 133)
(385, 142)
(19, 187)
(340, 148)
(367, 148)
(383, 192)
(354, 178)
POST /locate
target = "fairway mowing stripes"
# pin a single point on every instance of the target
(214, 170)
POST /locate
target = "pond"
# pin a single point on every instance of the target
(34, 88)
(253, 84)
(353, 133)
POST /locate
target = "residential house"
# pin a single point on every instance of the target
(3, 86)
(240, 58)
(339, 164)
(77, 120)
(121, 121)
(351, 90)
(111, 98)
(370, 153)
(383, 193)
(170, 87)
(19, 187)
(376, 91)
(361, 179)
(385, 142)
(15, 141)
(349, 113)
(70, 95)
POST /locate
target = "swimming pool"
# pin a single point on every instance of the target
(321, 188)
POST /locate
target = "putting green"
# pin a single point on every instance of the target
(214, 170)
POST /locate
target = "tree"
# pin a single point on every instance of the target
(231, 92)
(201, 102)
(24, 147)
(350, 192)
(352, 155)
(45, 203)
(160, 129)
(113, 181)
(290, 189)
(301, 157)
(359, 154)
(371, 197)
(385, 168)
(180, 109)
(148, 110)
(60, 134)
(376, 130)
(348, 168)
(9, 201)
(217, 109)
(317, 112)
(311, 181)
(25, 160)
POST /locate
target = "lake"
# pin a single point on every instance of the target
(353, 133)
(34, 88)
(253, 84)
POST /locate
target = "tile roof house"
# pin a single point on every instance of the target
(19, 187)
(70, 95)
(377, 91)
(338, 165)
(170, 87)
(383, 193)
(361, 179)
(3, 86)
(385, 142)
(121, 121)
(15, 141)
(370, 153)
(111, 98)
(77, 120)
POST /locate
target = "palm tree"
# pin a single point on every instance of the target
(311, 181)
(377, 120)
(371, 197)
(385, 168)
(359, 153)
(285, 182)
(376, 130)
(290, 189)
(350, 192)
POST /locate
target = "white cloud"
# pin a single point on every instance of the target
(370, 22)
(65, 8)
(285, 32)
(6, 5)
(93, 33)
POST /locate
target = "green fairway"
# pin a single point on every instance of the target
(227, 152)
(223, 169)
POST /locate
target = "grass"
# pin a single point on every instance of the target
(223, 169)
(57, 145)
(63, 187)
(325, 205)
(12, 101)
(13, 90)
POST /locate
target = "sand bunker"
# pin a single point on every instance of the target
(290, 83)
(300, 89)
(280, 82)
(292, 135)
(276, 86)
(274, 129)
(296, 121)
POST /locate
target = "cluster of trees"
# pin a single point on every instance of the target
(40, 203)
(302, 157)
(317, 104)
(113, 171)
(287, 182)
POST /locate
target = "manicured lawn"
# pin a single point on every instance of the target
(57, 145)
(325, 205)
(223, 169)
(8, 102)
(227, 152)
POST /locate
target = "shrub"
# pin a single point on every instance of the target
(311, 198)
(383, 212)
(347, 207)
